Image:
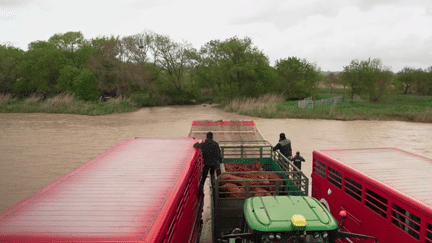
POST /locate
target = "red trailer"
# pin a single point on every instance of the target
(386, 192)
(141, 190)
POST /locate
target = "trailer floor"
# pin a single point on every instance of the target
(222, 131)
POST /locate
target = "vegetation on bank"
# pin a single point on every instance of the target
(170, 72)
(70, 74)
(64, 103)
(412, 108)
(152, 65)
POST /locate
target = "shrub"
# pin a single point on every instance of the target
(66, 78)
(86, 86)
(141, 99)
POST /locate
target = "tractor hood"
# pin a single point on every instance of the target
(275, 214)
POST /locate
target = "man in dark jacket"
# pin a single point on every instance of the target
(297, 159)
(284, 146)
(211, 155)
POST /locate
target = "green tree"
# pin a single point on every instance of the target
(122, 65)
(86, 86)
(110, 71)
(351, 78)
(429, 80)
(297, 77)
(10, 59)
(234, 67)
(367, 77)
(422, 82)
(376, 78)
(66, 79)
(208, 68)
(40, 69)
(406, 76)
(69, 41)
(82, 55)
(40, 45)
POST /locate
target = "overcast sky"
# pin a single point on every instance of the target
(329, 33)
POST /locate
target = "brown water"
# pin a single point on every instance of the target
(36, 149)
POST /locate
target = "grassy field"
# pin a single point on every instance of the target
(393, 107)
(63, 103)
(412, 108)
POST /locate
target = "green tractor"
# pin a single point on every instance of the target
(288, 219)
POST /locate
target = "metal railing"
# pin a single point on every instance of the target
(246, 149)
(294, 179)
(309, 103)
(298, 177)
(229, 189)
(295, 183)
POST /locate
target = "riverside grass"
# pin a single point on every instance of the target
(65, 104)
(410, 108)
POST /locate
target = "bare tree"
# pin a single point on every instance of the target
(171, 57)
(141, 72)
(331, 81)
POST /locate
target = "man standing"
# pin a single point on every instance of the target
(297, 159)
(284, 146)
(211, 155)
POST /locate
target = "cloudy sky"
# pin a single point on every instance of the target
(329, 33)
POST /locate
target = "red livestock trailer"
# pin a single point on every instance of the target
(141, 190)
(386, 192)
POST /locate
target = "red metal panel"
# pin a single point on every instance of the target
(121, 195)
(398, 177)
(188, 206)
(176, 223)
(395, 170)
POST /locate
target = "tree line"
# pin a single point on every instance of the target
(370, 78)
(152, 68)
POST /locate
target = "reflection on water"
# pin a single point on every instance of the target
(37, 149)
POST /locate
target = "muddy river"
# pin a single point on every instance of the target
(37, 149)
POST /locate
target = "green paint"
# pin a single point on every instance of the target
(273, 214)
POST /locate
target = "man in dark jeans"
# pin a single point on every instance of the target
(212, 157)
(284, 146)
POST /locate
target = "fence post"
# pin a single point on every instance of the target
(247, 189)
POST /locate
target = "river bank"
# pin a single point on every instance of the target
(64, 104)
(409, 108)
